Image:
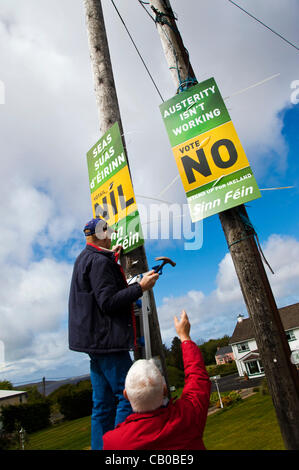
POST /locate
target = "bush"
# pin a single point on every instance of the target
(5, 385)
(31, 416)
(33, 395)
(222, 369)
(68, 389)
(226, 401)
(176, 377)
(228, 398)
(214, 397)
(84, 385)
(75, 405)
(234, 396)
(8, 440)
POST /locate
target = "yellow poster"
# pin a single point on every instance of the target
(212, 155)
(114, 199)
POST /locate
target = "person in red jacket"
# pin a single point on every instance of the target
(153, 425)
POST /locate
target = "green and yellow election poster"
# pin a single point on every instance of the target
(214, 169)
(112, 194)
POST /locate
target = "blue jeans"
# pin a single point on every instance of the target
(108, 373)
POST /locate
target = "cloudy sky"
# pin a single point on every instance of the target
(49, 121)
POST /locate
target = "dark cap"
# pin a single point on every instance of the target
(90, 227)
(97, 226)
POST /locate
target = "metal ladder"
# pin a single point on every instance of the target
(144, 311)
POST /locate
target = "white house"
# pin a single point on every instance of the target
(12, 397)
(245, 348)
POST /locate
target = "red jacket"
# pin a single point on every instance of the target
(179, 425)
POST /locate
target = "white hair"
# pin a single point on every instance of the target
(145, 386)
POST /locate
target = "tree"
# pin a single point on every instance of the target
(33, 395)
(5, 385)
(75, 404)
(175, 356)
(209, 348)
(30, 416)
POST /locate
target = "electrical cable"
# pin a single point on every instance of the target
(252, 86)
(37, 381)
(146, 3)
(153, 81)
(268, 27)
(160, 19)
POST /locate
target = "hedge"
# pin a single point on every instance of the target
(75, 405)
(227, 398)
(222, 369)
(30, 416)
(68, 389)
(176, 377)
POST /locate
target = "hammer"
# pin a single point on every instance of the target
(159, 267)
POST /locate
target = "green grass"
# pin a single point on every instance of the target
(69, 435)
(248, 425)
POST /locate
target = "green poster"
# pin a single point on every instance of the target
(112, 194)
(105, 158)
(225, 194)
(207, 150)
(194, 112)
(128, 232)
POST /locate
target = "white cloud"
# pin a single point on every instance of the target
(49, 121)
(33, 303)
(24, 216)
(283, 255)
(50, 107)
(48, 356)
(34, 309)
(228, 289)
(215, 314)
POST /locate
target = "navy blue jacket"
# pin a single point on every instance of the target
(100, 304)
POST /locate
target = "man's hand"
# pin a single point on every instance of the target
(149, 280)
(117, 248)
(183, 327)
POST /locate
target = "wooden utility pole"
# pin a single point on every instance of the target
(282, 376)
(134, 262)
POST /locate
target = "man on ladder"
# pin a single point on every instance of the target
(102, 324)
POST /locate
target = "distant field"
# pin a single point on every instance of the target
(249, 425)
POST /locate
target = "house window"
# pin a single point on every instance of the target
(242, 347)
(290, 335)
(252, 367)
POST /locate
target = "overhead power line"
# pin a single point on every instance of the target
(143, 6)
(252, 86)
(141, 58)
(266, 26)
